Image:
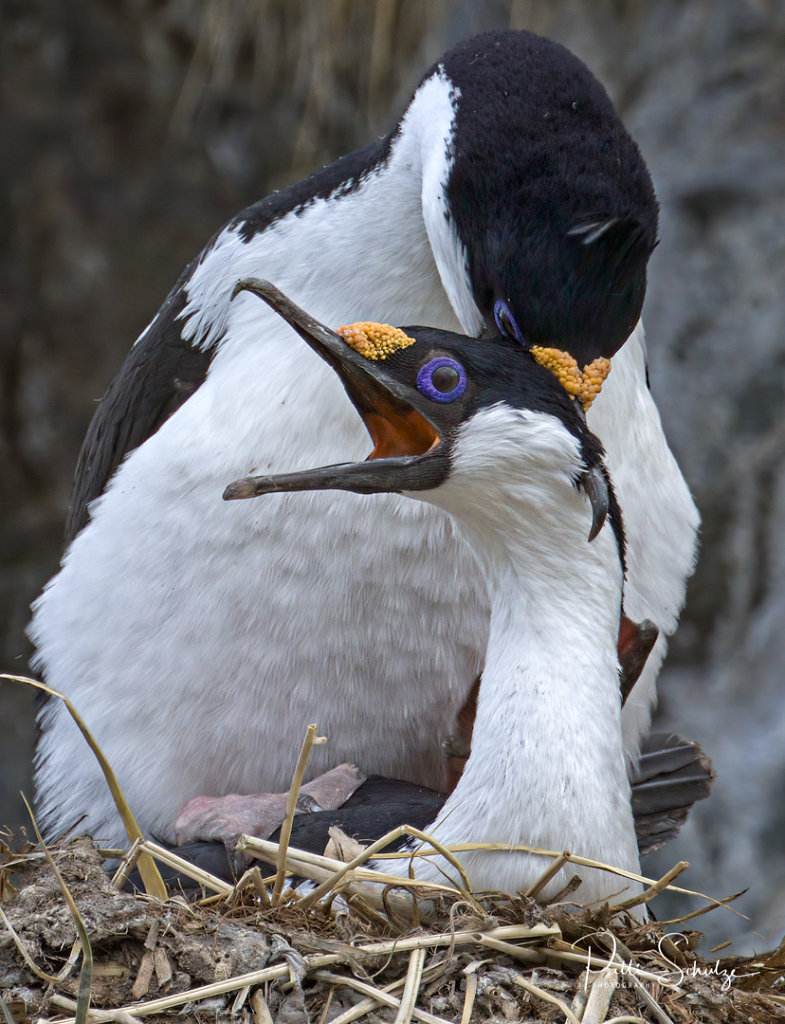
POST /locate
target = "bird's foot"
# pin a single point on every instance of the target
(224, 819)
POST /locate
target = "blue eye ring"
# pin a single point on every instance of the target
(425, 379)
(506, 322)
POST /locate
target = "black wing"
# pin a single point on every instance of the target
(159, 373)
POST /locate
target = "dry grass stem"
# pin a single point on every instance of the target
(655, 889)
(251, 878)
(7, 1015)
(291, 806)
(385, 948)
(370, 851)
(261, 1010)
(713, 904)
(376, 997)
(624, 1020)
(86, 973)
(218, 988)
(127, 864)
(572, 858)
(470, 994)
(546, 997)
(600, 995)
(185, 867)
(517, 952)
(648, 999)
(366, 1005)
(549, 873)
(151, 876)
(322, 869)
(411, 987)
(118, 1016)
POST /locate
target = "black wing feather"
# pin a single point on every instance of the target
(159, 374)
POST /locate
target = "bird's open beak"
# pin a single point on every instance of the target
(404, 439)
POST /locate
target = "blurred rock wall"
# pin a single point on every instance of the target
(132, 130)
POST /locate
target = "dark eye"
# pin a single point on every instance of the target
(442, 379)
(506, 322)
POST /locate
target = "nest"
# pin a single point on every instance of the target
(354, 944)
(357, 951)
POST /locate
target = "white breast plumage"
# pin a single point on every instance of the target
(180, 625)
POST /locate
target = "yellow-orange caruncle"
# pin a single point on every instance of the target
(584, 385)
(374, 341)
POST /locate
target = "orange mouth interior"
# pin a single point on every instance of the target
(396, 433)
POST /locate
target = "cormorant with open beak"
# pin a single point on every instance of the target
(509, 196)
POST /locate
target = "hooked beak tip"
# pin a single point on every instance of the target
(595, 486)
(239, 489)
(242, 286)
(257, 286)
(596, 526)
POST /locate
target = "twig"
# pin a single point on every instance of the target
(600, 995)
(7, 1016)
(549, 873)
(261, 1010)
(251, 878)
(572, 858)
(617, 948)
(471, 992)
(217, 988)
(118, 1016)
(557, 951)
(291, 806)
(531, 956)
(378, 995)
(363, 1007)
(712, 906)
(653, 890)
(127, 864)
(384, 948)
(370, 851)
(185, 867)
(411, 987)
(322, 869)
(648, 998)
(546, 997)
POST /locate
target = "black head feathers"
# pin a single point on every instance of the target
(550, 195)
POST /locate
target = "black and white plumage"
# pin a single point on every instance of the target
(490, 436)
(509, 177)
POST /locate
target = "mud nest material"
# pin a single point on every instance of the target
(232, 956)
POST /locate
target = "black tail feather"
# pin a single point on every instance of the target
(671, 776)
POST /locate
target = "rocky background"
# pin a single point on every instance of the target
(132, 129)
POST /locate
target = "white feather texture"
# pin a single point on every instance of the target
(199, 638)
(547, 767)
(660, 518)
